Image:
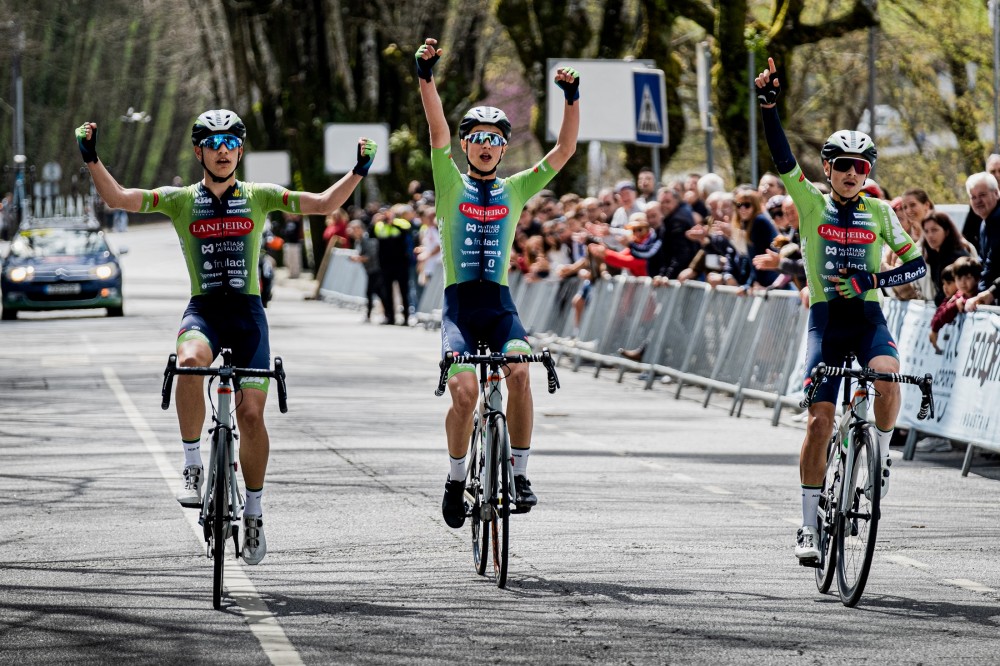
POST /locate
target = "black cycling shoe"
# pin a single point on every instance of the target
(523, 497)
(454, 507)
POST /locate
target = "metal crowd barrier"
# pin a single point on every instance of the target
(748, 347)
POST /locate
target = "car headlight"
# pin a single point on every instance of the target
(21, 273)
(104, 271)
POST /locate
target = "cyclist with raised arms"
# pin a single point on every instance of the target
(219, 221)
(842, 238)
(478, 215)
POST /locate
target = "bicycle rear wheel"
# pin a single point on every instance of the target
(480, 534)
(826, 519)
(220, 504)
(858, 525)
(501, 517)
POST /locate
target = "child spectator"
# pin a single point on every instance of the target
(967, 272)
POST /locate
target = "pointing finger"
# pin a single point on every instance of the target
(770, 65)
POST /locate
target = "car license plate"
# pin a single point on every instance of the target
(63, 288)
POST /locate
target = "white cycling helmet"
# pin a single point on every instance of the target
(484, 115)
(217, 121)
(849, 142)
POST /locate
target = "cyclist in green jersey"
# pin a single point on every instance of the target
(219, 222)
(478, 215)
(842, 236)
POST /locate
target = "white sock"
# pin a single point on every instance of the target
(520, 460)
(192, 453)
(883, 441)
(458, 469)
(810, 505)
(253, 507)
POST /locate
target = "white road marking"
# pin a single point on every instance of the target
(967, 584)
(683, 477)
(65, 361)
(755, 505)
(263, 623)
(716, 490)
(908, 562)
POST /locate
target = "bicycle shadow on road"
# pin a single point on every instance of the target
(538, 586)
(984, 614)
(287, 606)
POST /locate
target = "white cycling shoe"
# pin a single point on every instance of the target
(190, 494)
(254, 543)
(807, 543)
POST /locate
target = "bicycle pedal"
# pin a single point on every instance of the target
(520, 508)
(810, 563)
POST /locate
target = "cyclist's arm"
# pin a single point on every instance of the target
(569, 130)
(113, 194)
(436, 120)
(331, 199)
(777, 142)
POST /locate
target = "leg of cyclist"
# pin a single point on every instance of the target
(463, 385)
(193, 350)
(820, 347)
(464, 389)
(520, 421)
(255, 448)
(812, 465)
(887, 403)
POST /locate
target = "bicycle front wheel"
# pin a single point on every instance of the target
(826, 521)
(220, 504)
(502, 498)
(858, 525)
(480, 533)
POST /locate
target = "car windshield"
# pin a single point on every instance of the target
(57, 242)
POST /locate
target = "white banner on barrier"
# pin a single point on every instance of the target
(966, 374)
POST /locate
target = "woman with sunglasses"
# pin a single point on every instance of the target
(478, 215)
(219, 221)
(843, 234)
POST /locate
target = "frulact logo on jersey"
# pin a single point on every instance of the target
(220, 227)
(490, 213)
(854, 236)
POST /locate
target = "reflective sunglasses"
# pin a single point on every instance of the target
(216, 140)
(845, 164)
(486, 137)
(744, 204)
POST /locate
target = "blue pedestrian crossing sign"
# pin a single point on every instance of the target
(650, 107)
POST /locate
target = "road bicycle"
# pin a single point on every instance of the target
(222, 502)
(849, 504)
(489, 486)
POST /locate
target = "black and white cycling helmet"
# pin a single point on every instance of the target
(217, 121)
(849, 142)
(484, 115)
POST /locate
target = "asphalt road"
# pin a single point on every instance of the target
(664, 532)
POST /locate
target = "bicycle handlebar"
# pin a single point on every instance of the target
(225, 370)
(868, 375)
(452, 358)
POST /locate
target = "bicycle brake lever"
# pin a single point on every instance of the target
(168, 381)
(279, 375)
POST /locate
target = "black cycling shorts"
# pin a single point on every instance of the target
(843, 326)
(232, 320)
(479, 311)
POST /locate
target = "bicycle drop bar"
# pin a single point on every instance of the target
(497, 360)
(278, 374)
(868, 375)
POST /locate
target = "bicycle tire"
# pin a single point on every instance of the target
(221, 504)
(500, 524)
(858, 527)
(826, 519)
(480, 534)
